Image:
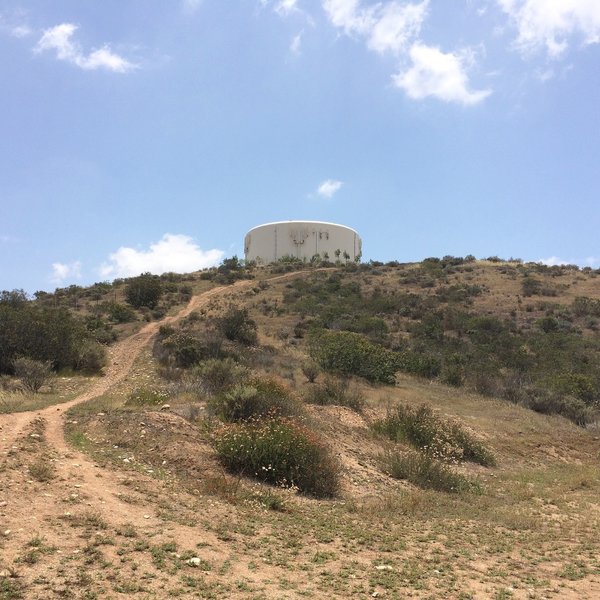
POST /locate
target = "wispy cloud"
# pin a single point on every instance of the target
(64, 271)
(282, 7)
(59, 39)
(551, 25)
(552, 261)
(386, 26)
(173, 252)
(21, 31)
(296, 43)
(329, 187)
(190, 6)
(440, 75)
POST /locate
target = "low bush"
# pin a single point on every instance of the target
(549, 403)
(310, 370)
(184, 349)
(426, 472)
(354, 354)
(119, 313)
(418, 363)
(218, 375)
(438, 438)
(337, 392)
(32, 373)
(90, 357)
(42, 470)
(281, 452)
(237, 326)
(255, 398)
(144, 291)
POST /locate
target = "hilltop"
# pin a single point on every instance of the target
(361, 430)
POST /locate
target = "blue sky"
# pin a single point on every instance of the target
(144, 135)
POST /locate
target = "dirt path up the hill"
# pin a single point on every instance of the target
(30, 510)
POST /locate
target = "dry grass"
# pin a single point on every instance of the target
(14, 399)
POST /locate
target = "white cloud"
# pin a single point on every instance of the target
(286, 7)
(21, 31)
(439, 75)
(296, 43)
(63, 271)
(58, 38)
(590, 261)
(554, 261)
(190, 6)
(174, 252)
(395, 25)
(387, 26)
(329, 187)
(550, 24)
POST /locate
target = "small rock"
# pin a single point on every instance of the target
(384, 568)
(146, 516)
(6, 532)
(165, 407)
(194, 562)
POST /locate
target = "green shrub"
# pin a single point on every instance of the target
(354, 354)
(310, 370)
(184, 349)
(119, 313)
(335, 391)
(38, 332)
(578, 385)
(586, 307)
(144, 290)
(281, 452)
(218, 375)
(548, 403)
(237, 326)
(255, 398)
(438, 438)
(419, 363)
(426, 472)
(90, 357)
(32, 373)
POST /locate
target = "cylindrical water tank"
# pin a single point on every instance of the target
(303, 240)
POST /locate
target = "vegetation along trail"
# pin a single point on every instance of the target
(33, 449)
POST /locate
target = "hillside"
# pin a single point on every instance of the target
(404, 430)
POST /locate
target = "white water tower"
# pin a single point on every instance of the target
(303, 240)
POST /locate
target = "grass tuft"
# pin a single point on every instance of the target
(427, 473)
(438, 438)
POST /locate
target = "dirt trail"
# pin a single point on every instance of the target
(29, 508)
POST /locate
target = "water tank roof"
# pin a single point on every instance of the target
(301, 222)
